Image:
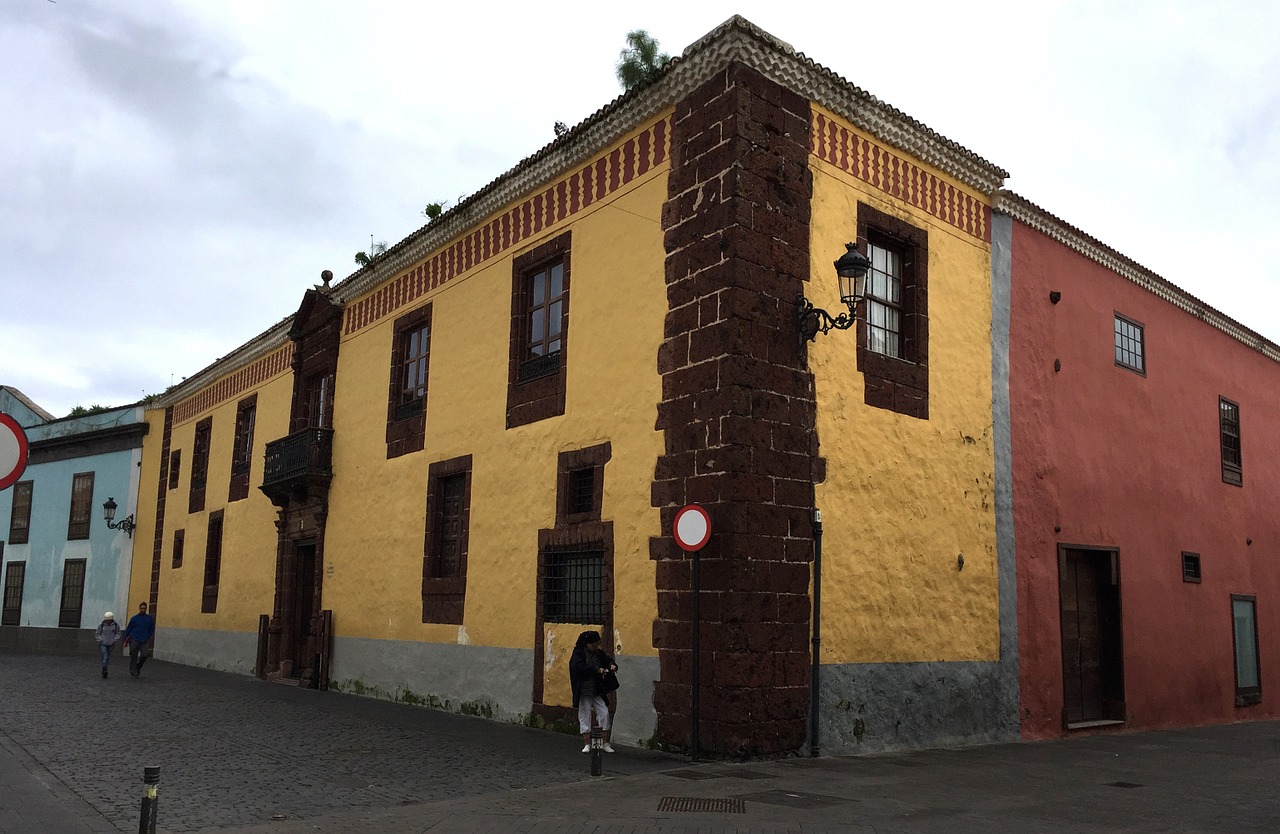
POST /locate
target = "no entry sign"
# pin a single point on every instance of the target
(692, 527)
(13, 451)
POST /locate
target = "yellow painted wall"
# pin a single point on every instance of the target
(374, 543)
(904, 497)
(247, 585)
(377, 507)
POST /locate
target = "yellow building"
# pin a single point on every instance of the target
(387, 494)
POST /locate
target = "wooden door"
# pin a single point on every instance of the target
(304, 608)
(1092, 653)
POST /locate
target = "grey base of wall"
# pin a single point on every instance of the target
(48, 640)
(489, 682)
(880, 707)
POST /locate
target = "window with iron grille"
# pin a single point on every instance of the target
(179, 544)
(1229, 426)
(72, 593)
(1129, 345)
(1190, 567)
(81, 506)
(14, 575)
(573, 586)
(199, 465)
(212, 564)
(581, 496)
(20, 513)
(242, 448)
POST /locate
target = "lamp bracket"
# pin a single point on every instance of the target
(813, 320)
(126, 524)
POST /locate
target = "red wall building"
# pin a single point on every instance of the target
(1145, 434)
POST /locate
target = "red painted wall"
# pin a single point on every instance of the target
(1115, 459)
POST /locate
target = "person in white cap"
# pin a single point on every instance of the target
(107, 634)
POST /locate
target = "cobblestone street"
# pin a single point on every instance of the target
(235, 750)
(241, 756)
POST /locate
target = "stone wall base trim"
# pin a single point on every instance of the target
(490, 682)
(44, 640)
(882, 707)
(223, 651)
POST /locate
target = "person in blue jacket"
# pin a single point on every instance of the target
(137, 637)
(107, 633)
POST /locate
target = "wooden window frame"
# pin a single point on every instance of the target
(591, 458)
(179, 545)
(536, 385)
(212, 564)
(20, 508)
(899, 384)
(80, 516)
(407, 415)
(65, 618)
(444, 597)
(175, 468)
(242, 448)
(15, 574)
(1246, 695)
(1141, 340)
(1232, 470)
(200, 464)
(1191, 571)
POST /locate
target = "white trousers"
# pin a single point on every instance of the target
(585, 706)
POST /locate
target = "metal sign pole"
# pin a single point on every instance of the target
(692, 531)
(697, 653)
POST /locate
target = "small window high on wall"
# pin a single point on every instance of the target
(1229, 429)
(1130, 349)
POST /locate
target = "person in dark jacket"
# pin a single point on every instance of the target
(138, 636)
(107, 633)
(592, 676)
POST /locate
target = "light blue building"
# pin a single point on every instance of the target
(63, 567)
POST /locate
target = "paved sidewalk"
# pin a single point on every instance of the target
(238, 755)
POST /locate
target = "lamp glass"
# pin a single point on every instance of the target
(852, 270)
(109, 510)
(853, 287)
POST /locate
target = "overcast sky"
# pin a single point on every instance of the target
(174, 175)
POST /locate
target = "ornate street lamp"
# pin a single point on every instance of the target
(109, 513)
(851, 269)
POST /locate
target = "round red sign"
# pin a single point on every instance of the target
(692, 527)
(13, 451)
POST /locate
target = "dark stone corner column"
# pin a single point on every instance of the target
(737, 413)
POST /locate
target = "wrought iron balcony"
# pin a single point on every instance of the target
(298, 464)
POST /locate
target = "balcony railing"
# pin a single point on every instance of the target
(303, 455)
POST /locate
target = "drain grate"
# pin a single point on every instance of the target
(1124, 785)
(703, 805)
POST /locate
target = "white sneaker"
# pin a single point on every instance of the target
(608, 748)
(586, 748)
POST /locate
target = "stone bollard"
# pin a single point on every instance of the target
(597, 751)
(150, 800)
